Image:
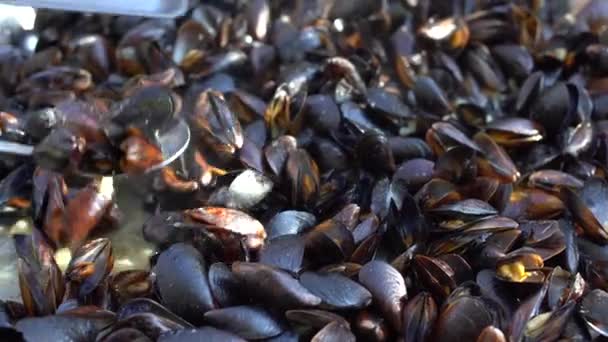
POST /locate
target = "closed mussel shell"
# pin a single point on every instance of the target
(248, 322)
(462, 320)
(387, 287)
(334, 331)
(419, 316)
(205, 333)
(592, 309)
(337, 291)
(313, 317)
(182, 267)
(273, 286)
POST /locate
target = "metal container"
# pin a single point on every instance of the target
(145, 8)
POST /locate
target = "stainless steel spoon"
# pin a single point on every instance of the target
(173, 141)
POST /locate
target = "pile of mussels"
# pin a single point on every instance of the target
(358, 170)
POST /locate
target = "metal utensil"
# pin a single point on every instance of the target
(173, 141)
(144, 8)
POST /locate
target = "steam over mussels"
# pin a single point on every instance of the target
(367, 170)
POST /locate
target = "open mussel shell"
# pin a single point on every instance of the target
(521, 267)
(90, 265)
(451, 33)
(529, 308)
(515, 131)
